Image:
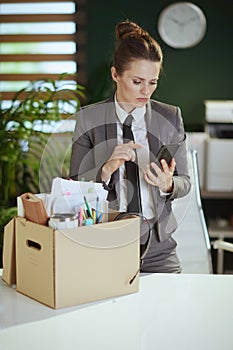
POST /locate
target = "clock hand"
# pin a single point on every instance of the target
(175, 20)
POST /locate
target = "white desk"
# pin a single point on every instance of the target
(180, 312)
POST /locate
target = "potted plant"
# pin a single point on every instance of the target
(43, 101)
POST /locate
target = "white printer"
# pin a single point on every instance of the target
(219, 145)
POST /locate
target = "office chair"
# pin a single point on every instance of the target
(221, 246)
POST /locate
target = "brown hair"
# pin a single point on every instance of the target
(132, 42)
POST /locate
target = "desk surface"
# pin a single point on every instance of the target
(185, 312)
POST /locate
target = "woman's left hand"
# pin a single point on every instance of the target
(162, 178)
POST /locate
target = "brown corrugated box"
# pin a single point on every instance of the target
(72, 266)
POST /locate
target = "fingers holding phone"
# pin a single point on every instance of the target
(161, 177)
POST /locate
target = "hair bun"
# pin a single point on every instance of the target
(128, 28)
(133, 42)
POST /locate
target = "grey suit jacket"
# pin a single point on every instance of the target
(95, 137)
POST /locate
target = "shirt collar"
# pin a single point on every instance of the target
(138, 113)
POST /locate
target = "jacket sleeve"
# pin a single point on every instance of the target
(82, 161)
(90, 150)
(181, 178)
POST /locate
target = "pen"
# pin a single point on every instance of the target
(80, 216)
(100, 218)
(97, 207)
(88, 208)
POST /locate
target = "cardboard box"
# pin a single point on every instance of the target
(73, 266)
(8, 254)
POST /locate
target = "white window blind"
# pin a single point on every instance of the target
(40, 40)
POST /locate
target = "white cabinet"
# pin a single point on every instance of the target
(219, 165)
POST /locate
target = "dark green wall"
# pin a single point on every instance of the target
(190, 75)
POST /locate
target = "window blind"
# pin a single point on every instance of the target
(40, 40)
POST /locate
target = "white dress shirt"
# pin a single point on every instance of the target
(140, 137)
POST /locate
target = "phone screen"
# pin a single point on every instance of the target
(167, 152)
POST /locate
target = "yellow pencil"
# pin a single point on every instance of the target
(94, 215)
(84, 215)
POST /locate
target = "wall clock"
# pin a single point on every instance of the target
(182, 25)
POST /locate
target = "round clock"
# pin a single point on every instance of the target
(182, 24)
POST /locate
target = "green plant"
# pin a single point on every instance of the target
(22, 145)
(42, 101)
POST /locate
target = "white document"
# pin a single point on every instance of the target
(67, 196)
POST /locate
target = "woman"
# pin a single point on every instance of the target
(101, 153)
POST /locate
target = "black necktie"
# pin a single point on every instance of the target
(132, 173)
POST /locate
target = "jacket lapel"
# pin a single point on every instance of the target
(153, 131)
(111, 121)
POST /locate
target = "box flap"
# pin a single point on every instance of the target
(9, 263)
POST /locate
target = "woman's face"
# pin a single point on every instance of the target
(136, 85)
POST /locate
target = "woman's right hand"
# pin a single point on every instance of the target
(121, 153)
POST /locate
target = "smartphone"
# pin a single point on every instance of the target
(167, 152)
